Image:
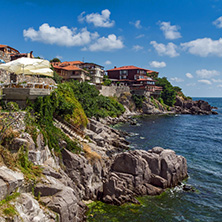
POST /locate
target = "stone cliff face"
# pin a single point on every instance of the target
(142, 172)
(103, 172)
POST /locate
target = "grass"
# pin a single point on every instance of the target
(92, 156)
(20, 161)
(6, 208)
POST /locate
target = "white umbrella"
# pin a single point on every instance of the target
(43, 72)
(28, 66)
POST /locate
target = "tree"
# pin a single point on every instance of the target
(153, 75)
(106, 80)
(55, 60)
(169, 93)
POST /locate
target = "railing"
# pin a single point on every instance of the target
(75, 129)
(28, 85)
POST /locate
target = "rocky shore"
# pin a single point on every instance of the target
(106, 170)
(199, 107)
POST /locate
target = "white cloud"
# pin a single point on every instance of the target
(189, 75)
(176, 79)
(207, 74)
(170, 31)
(62, 36)
(136, 24)
(169, 49)
(220, 86)
(59, 57)
(217, 80)
(108, 62)
(137, 48)
(218, 22)
(191, 84)
(157, 64)
(98, 20)
(140, 36)
(107, 44)
(204, 47)
(205, 81)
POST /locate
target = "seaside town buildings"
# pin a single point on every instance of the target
(80, 71)
(138, 79)
(7, 53)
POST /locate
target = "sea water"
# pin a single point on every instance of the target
(199, 139)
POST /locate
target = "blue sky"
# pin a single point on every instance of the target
(182, 40)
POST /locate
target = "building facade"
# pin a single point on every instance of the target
(136, 78)
(8, 53)
(92, 71)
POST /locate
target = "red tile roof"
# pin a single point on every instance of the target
(69, 68)
(3, 46)
(130, 67)
(71, 63)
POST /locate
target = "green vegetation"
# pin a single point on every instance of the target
(106, 81)
(6, 208)
(63, 103)
(55, 60)
(9, 198)
(154, 102)
(153, 75)
(138, 100)
(180, 93)
(93, 103)
(169, 93)
(56, 77)
(30, 171)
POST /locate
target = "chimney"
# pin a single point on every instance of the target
(114, 67)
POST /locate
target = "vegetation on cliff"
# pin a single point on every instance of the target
(169, 93)
(93, 103)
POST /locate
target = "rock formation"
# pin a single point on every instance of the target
(142, 172)
(193, 107)
(107, 172)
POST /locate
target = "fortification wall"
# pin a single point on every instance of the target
(113, 90)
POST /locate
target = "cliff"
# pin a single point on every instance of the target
(39, 184)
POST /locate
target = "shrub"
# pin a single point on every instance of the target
(93, 103)
(169, 93)
(138, 100)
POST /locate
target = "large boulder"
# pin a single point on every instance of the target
(29, 210)
(142, 172)
(9, 181)
(59, 196)
(87, 176)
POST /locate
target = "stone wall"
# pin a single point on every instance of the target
(20, 95)
(114, 90)
(4, 56)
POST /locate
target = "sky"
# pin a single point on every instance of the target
(181, 39)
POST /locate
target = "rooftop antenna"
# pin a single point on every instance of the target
(83, 59)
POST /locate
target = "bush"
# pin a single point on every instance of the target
(138, 100)
(106, 81)
(169, 93)
(93, 103)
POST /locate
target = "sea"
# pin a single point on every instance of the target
(199, 139)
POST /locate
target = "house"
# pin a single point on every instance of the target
(71, 72)
(92, 71)
(138, 79)
(96, 72)
(8, 53)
